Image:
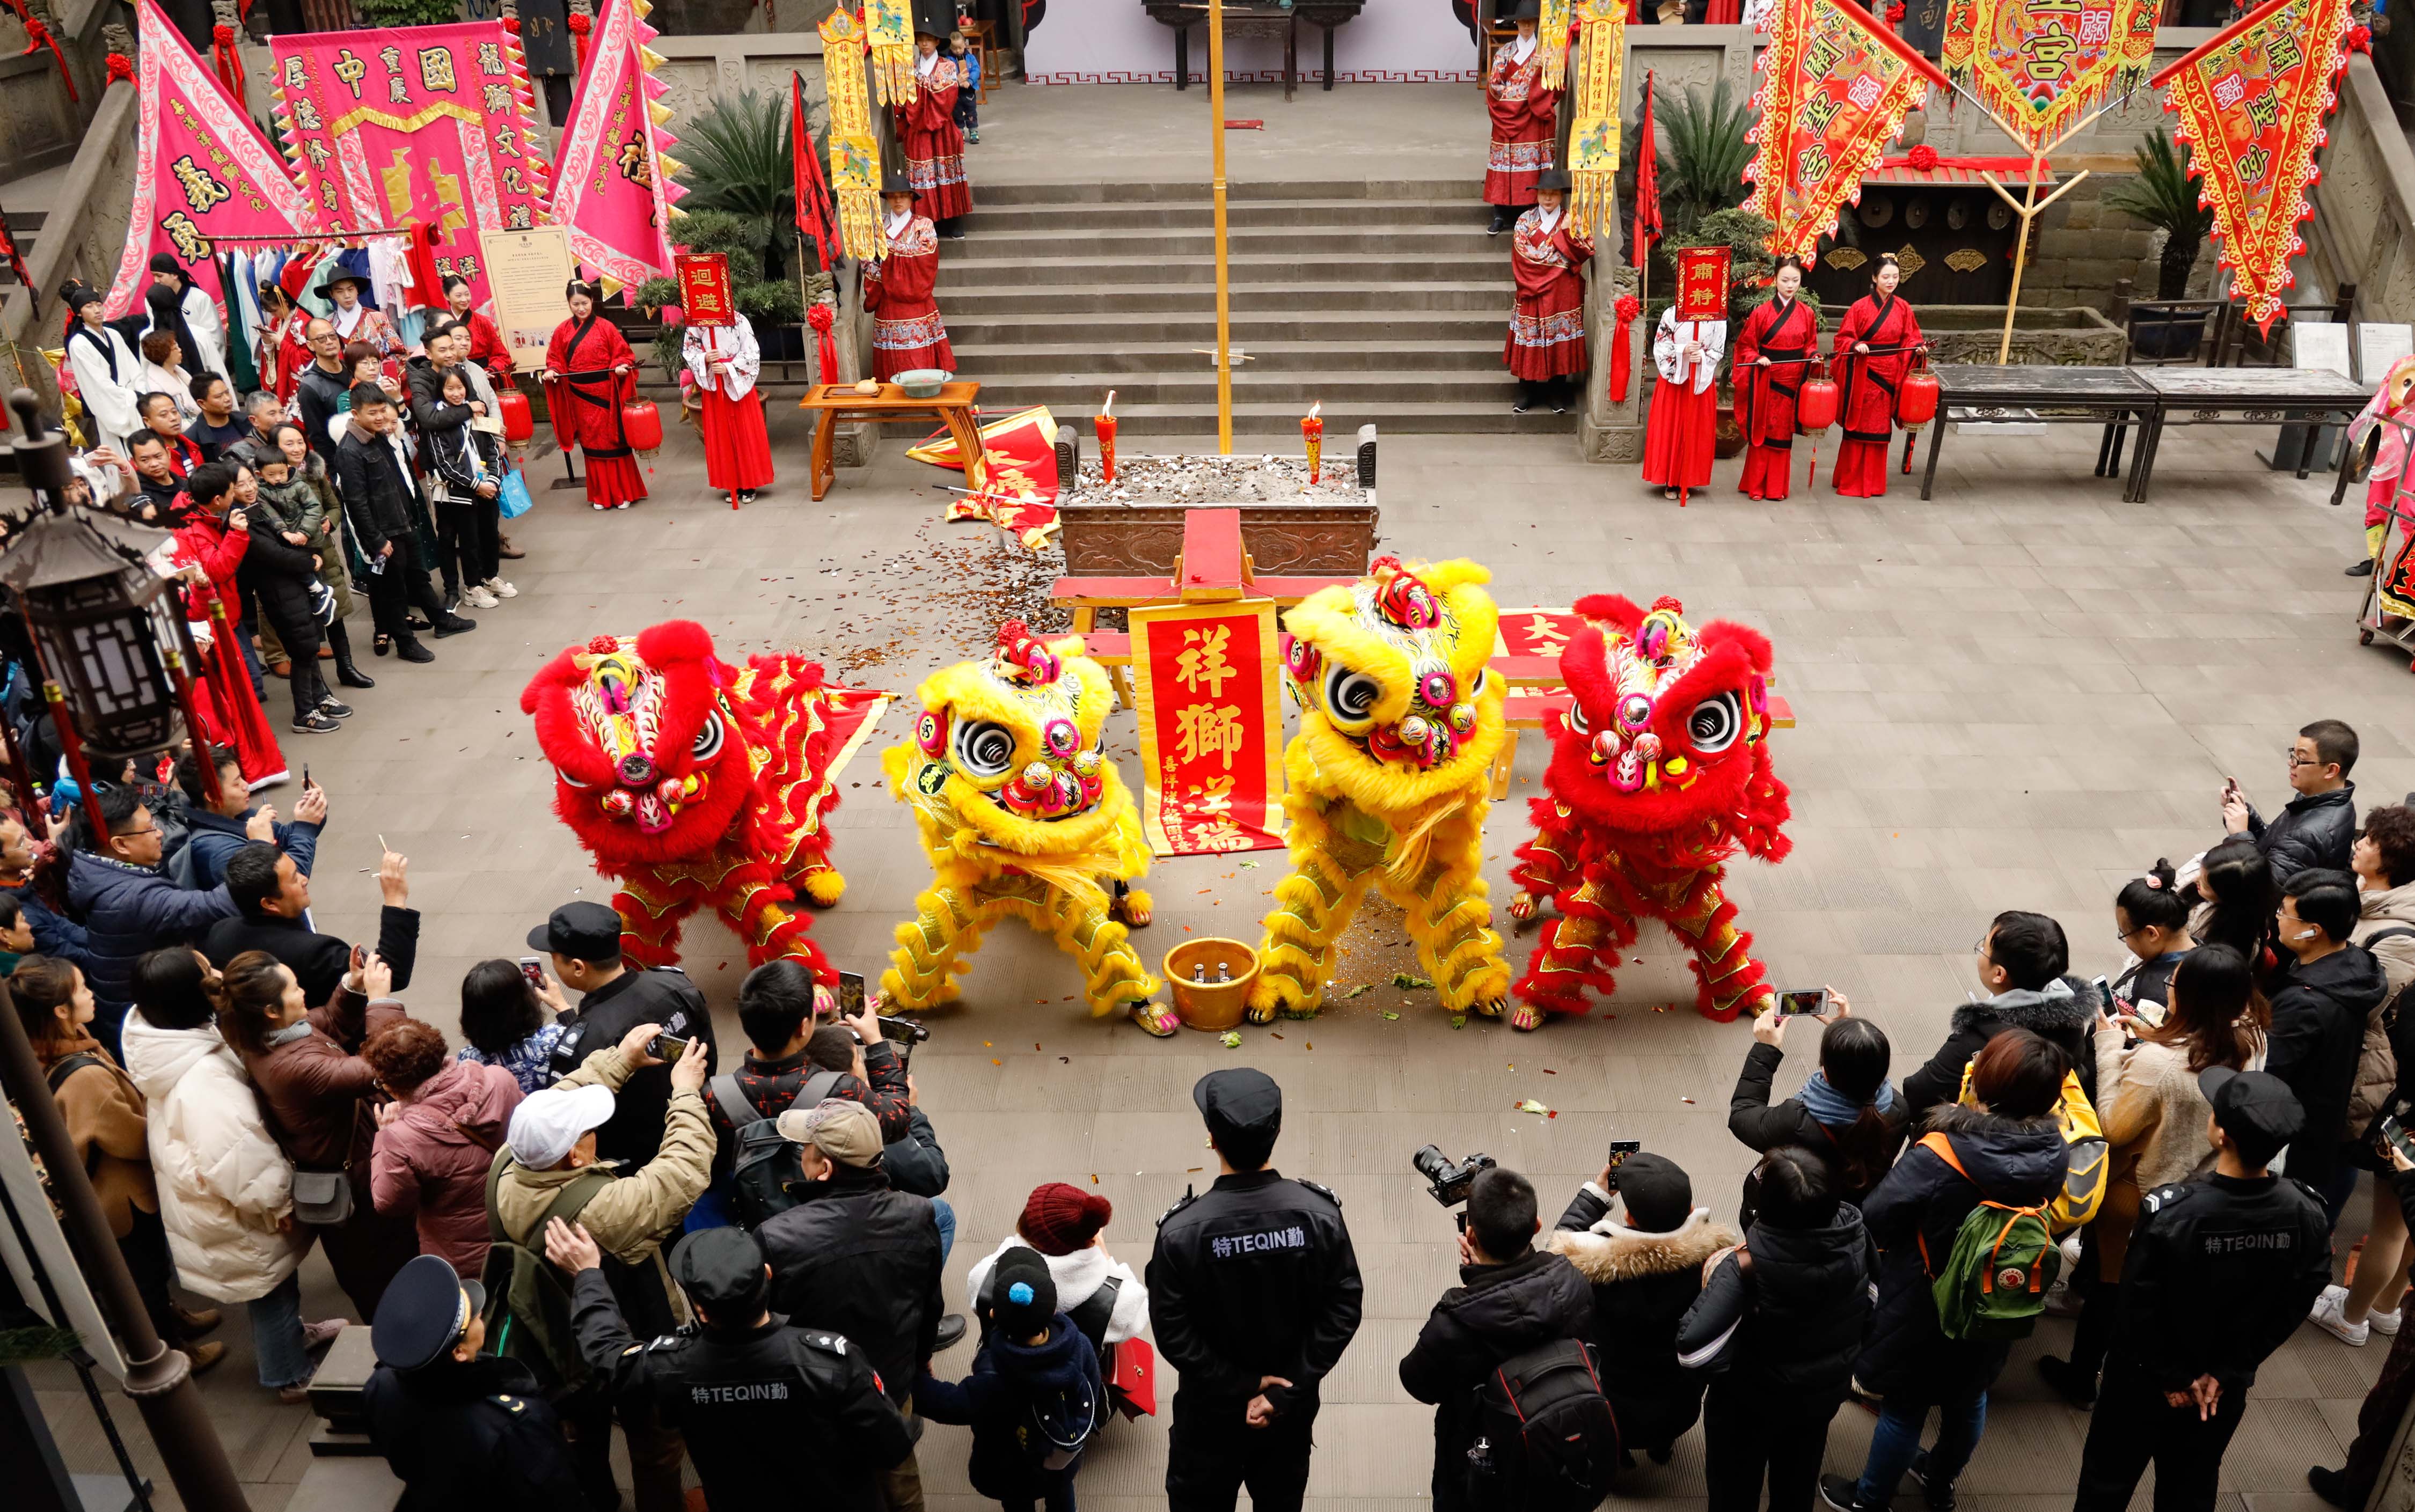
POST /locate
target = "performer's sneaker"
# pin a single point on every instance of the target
(317, 723)
(333, 708)
(745, 496)
(477, 597)
(1522, 407)
(1156, 1019)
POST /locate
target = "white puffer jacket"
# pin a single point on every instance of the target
(223, 1182)
(1077, 1276)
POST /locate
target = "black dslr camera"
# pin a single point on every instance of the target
(1448, 1182)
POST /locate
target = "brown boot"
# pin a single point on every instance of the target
(204, 1356)
(280, 669)
(195, 1321)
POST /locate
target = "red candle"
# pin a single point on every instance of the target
(1311, 430)
(1105, 421)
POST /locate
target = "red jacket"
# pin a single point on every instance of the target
(431, 1160)
(204, 541)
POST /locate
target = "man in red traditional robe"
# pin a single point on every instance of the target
(1524, 119)
(1773, 352)
(589, 373)
(907, 331)
(933, 142)
(1546, 347)
(1682, 436)
(1875, 344)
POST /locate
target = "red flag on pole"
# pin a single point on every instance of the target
(1647, 177)
(813, 196)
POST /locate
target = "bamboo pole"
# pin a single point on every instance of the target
(1223, 277)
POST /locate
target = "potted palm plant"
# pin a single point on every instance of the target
(2165, 196)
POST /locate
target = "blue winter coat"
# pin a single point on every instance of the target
(211, 838)
(127, 911)
(55, 937)
(997, 1400)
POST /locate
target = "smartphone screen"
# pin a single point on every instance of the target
(532, 968)
(1813, 1001)
(1621, 1148)
(2394, 1135)
(668, 1047)
(850, 994)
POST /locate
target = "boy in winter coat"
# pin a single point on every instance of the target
(1645, 1274)
(1034, 1399)
(1515, 1299)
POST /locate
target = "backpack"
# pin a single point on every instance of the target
(1993, 1284)
(767, 1161)
(527, 1301)
(1057, 1426)
(2088, 1167)
(1546, 1440)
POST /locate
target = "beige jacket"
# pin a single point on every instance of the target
(635, 1215)
(2153, 1115)
(2377, 1069)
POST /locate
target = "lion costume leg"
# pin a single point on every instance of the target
(1313, 906)
(931, 951)
(1579, 951)
(1731, 980)
(1450, 917)
(653, 913)
(758, 911)
(1114, 977)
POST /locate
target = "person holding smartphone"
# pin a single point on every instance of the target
(1848, 1115)
(584, 940)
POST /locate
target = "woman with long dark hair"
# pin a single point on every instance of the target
(2155, 1122)
(588, 375)
(1875, 344)
(2238, 895)
(1848, 1115)
(507, 1022)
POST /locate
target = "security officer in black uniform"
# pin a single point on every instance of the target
(464, 1431)
(584, 939)
(768, 1410)
(2220, 1272)
(1254, 1293)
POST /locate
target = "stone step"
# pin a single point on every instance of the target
(1169, 360)
(1201, 215)
(1343, 391)
(986, 193)
(1148, 244)
(984, 299)
(1245, 269)
(24, 225)
(1134, 321)
(1275, 427)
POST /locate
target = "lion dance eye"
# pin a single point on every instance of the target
(1350, 698)
(708, 739)
(984, 748)
(1713, 726)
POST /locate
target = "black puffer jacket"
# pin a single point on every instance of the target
(2315, 830)
(2319, 1011)
(1501, 1312)
(1787, 1322)
(1762, 1125)
(860, 1259)
(1922, 1203)
(2064, 1012)
(1642, 1286)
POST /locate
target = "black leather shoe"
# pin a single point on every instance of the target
(2333, 1486)
(951, 1332)
(2361, 567)
(412, 650)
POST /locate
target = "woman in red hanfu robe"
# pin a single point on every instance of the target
(724, 360)
(1681, 438)
(1772, 353)
(590, 372)
(1524, 120)
(1882, 334)
(487, 347)
(907, 331)
(933, 142)
(210, 545)
(1546, 345)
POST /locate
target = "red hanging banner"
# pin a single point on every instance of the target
(1702, 283)
(2250, 105)
(2038, 67)
(1833, 89)
(1206, 679)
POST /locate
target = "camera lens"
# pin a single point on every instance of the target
(1430, 1162)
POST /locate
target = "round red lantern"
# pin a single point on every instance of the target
(519, 425)
(1915, 402)
(642, 425)
(1815, 405)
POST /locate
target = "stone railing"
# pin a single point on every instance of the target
(39, 125)
(2364, 204)
(83, 238)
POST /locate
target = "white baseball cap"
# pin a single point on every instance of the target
(546, 1125)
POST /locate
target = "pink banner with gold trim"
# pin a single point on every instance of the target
(615, 190)
(429, 126)
(1204, 677)
(202, 169)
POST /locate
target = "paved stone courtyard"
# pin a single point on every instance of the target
(2015, 695)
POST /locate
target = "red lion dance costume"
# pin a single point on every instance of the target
(1660, 771)
(693, 783)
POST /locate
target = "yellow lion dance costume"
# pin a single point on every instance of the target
(1399, 725)
(1021, 813)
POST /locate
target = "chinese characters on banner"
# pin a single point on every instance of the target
(427, 125)
(1833, 89)
(2251, 104)
(704, 289)
(615, 189)
(2039, 66)
(1593, 136)
(1206, 678)
(1702, 283)
(854, 151)
(202, 170)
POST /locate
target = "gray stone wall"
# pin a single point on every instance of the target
(2081, 247)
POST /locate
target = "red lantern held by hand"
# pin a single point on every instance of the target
(1916, 403)
(641, 424)
(1815, 406)
(518, 424)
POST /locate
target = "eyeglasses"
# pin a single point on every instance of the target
(128, 835)
(2294, 759)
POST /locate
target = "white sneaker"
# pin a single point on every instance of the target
(2060, 1302)
(500, 589)
(2329, 1314)
(2384, 1323)
(479, 596)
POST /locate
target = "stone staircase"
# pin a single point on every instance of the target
(1386, 301)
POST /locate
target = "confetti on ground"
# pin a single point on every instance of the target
(1389, 1014)
(1459, 1020)
(998, 1063)
(1362, 987)
(1249, 866)
(1685, 1099)
(1401, 978)
(1277, 1036)
(1232, 1040)
(1530, 1105)
(1548, 1072)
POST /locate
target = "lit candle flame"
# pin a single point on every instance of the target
(1313, 408)
(1109, 408)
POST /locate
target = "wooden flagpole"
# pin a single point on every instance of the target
(1223, 276)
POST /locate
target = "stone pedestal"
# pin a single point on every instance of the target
(1610, 431)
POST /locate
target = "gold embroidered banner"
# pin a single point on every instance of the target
(854, 151)
(1553, 32)
(1593, 132)
(890, 24)
(2038, 67)
(2251, 104)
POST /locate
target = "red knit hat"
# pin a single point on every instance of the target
(1060, 1218)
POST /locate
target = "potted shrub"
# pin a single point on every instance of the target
(2165, 196)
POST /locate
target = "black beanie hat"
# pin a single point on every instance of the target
(1023, 1294)
(1659, 1195)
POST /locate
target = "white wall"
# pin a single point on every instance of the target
(1115, 41)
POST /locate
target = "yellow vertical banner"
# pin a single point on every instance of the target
(890, 24)
(1551, 31)
(854, 151)
(1594, 128)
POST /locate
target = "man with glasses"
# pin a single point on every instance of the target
(320, 394)
(2318, 826)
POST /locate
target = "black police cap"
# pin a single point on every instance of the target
(427, 1308)
(582, 931)
(2256, 1109)
(1242, 1102)
(720, 1269)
